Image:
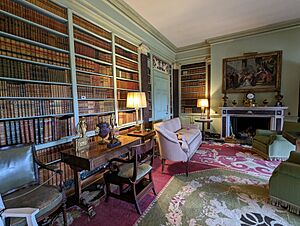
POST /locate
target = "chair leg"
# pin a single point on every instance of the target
(107, 185)
(187, 168)
(135, 200)
(64, 212)
(163, 165)
(151, 179)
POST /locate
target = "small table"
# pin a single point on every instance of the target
(145, 135)
(91, 158)
(203, 121)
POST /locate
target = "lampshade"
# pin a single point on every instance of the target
(136, 100)
(202, 103)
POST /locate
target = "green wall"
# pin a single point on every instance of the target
(286, 40)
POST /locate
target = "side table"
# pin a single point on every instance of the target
(203, 121)
(145, 135)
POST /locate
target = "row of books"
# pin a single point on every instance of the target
(91, 27)
(91, 66)
(190, 110)
(22, 50)
(16, 8)
(193, 71)
(192, 102)
(92, 121)
(126, 117)
(90, 107)
(21, 70)
(193, 89)
(83, 36)
(122, 105)
(192, 95)
(122, 94)
(127, 54)
(22, 29)
(193, 77)
(125, 63)
(192, 83)
(31, 108)
(93, 53)
(91, 92)
(126, 44)
(38, 131)
(94, 80)
(51, 7)
(128, 75)
(19, 89)
(128, 85)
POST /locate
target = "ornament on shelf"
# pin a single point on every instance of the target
(102, 130)
(265, 102)
(113, 141)
(225, 98)
(234, 102)
(278, 98)
(82, 141)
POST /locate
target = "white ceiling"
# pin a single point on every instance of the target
(186, 22)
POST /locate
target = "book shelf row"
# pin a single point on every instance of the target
(51, 7)
(127, 85)
(191, 71)
(127, 54)
(126, 117)
(28, 31)
(91, 52)
(91, 66)
(92, 92)
(21, 89)
(127, 64)
(16, 8)
(190, 89)
(127, 75)
(33, 108)
(21, 70)
(38, 131)
(92, 107)
(92, 121)
(126, 44)
(22, 50)
(190, 110)
(193, 77)
(94, 80)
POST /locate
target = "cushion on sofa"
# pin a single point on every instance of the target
(189, 134)
(172, 125)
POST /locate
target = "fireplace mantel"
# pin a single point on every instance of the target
(276, 115)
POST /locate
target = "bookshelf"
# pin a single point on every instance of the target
(127, 78)
(193, 82)
(36, 100)
(94, 74)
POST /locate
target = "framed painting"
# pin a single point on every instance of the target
(252, 72)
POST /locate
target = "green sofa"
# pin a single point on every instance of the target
(284, 184)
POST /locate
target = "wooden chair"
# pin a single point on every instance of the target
(131, 175)
(21, 188)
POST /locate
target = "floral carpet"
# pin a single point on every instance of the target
(216, 197)
(236, 157)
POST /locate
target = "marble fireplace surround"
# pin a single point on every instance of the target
(275, 114)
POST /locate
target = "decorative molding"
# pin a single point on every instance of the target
(144, 49)
(160, 65)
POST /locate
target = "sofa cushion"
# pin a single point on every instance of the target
(44, 197)
(263, 139)
(172, 125)
(189, 134)
(17, 168)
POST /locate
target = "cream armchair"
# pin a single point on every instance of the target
(177, 143)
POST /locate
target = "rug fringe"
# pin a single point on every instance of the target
(277, 158)
(289, 206)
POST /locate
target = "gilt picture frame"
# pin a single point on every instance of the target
(256, 72)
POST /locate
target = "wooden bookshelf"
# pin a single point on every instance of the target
(95, 88)
(36, 101)
(193, 82)
(127, 78)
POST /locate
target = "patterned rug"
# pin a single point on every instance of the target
(216, 197)
(236, 157)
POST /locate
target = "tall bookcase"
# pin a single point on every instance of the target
(127, 78)
(57, 66)
(36, 102)
(194, 84)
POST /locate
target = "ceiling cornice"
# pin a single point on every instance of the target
(256, 31)
(123, 7)
(201, 45)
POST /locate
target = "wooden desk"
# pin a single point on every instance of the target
(91, 158)
(203, 121)
(145, 135)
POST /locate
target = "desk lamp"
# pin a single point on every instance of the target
(202, 103)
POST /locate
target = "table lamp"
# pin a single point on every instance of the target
(136, 100)
(202, 103)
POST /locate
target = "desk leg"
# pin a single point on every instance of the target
(90, 210)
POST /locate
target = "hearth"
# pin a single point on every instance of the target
(244, 120)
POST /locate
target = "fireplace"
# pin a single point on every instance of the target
(240, 120)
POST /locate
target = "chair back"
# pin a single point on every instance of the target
(142, 153)
(17, 168)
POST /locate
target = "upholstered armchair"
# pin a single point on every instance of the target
(20, 187)
(177, 142)
(272, 145)
(284, 184)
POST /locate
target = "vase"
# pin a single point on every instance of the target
(103, 131)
